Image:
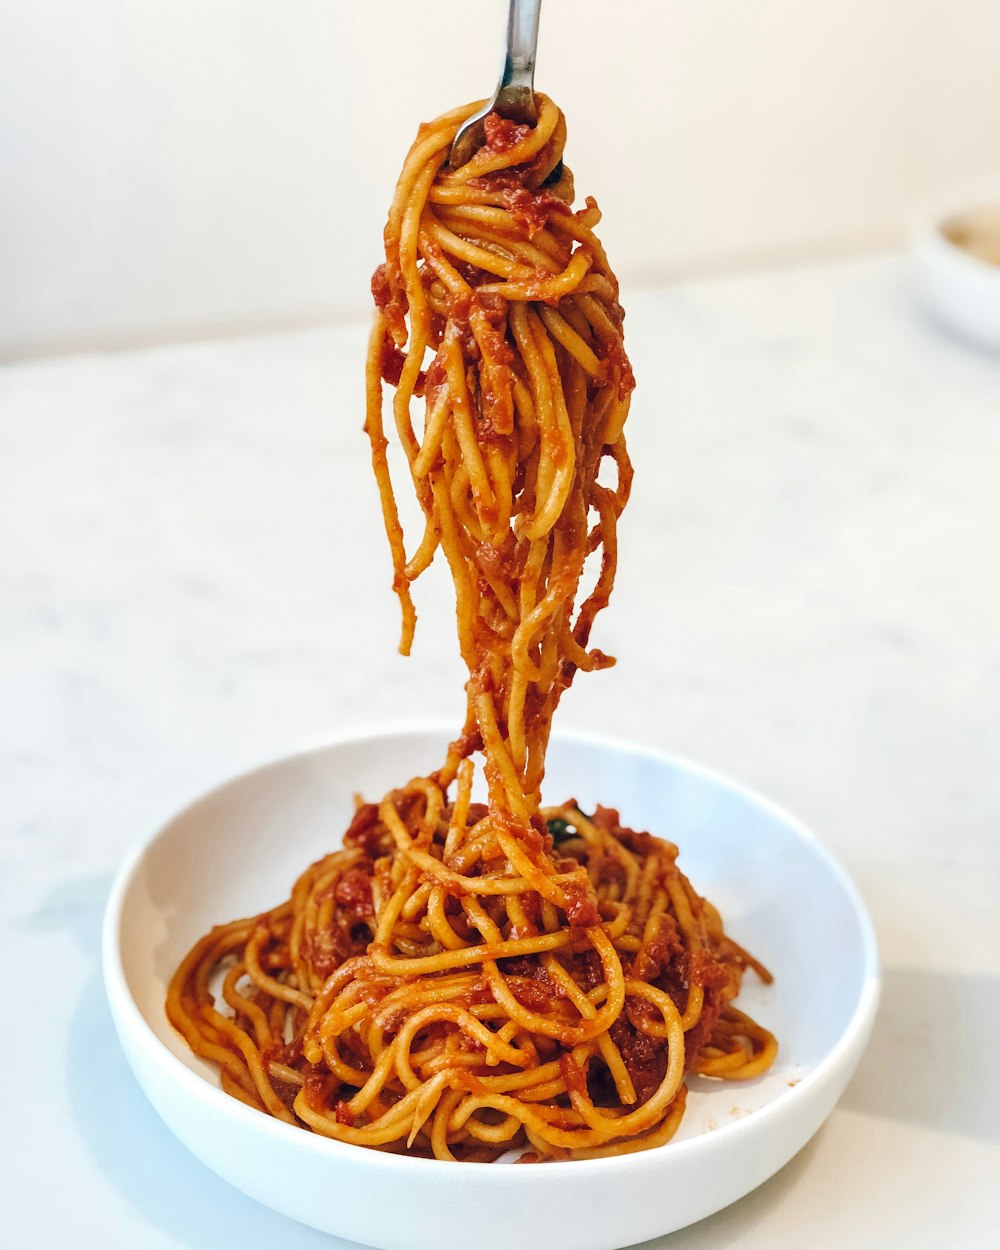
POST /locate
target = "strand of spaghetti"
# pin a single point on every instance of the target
(260, 978)
(435, 139)
(462, 424)
(430, 448)
(486, 161)
(389, 1127)
(465, 215)
(644, 1141)
(540, 286)
(244, 1006)
(535, 1022)
(482, 257)
(434, 259)
(649, 1113)
(491, 1042)
(380, 465)
(528, 256)
(392, 965)
(573, 342)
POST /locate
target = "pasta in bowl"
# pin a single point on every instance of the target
(784, 897)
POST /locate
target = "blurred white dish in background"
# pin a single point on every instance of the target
(239, 848)
(956, 241)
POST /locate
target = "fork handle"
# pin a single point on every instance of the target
(517, 81)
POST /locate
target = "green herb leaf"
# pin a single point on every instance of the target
(560, 830)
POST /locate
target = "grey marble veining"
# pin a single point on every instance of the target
(808, 599)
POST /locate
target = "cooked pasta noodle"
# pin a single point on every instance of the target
(466, 978)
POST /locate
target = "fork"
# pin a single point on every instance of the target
(514, 97)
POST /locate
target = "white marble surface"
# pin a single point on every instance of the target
(817, 500)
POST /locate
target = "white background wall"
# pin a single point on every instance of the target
(212, 165)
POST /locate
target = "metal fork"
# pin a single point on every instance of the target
(514, 97)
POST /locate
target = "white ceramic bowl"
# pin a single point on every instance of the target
(238, 849)
(961, 290)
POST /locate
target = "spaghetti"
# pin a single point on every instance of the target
(464, 979)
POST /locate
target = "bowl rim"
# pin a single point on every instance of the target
(211, 1096)
(927, 222)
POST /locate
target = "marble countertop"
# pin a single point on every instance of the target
(808, 599)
